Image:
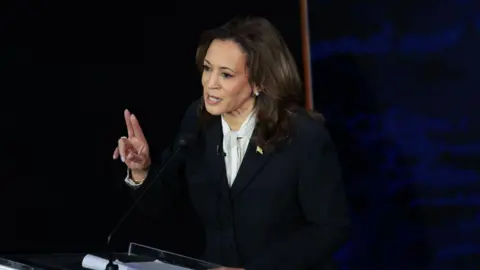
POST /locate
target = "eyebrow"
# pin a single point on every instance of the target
(220, 67)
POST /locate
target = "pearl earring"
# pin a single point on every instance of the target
(256, 93)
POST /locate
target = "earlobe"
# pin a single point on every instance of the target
(255, 91)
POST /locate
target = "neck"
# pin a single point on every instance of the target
(235, 119)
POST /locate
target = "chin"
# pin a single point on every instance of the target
(214, 110)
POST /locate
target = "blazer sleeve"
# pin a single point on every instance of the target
(169, 185)
(322, 198)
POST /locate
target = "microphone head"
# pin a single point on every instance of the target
(185, 139)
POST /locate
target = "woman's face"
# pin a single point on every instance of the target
(225, 83)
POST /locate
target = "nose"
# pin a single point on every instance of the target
(212, 81)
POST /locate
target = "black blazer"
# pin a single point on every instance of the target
(285, 210)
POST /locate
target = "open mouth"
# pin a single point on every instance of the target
(213, 99)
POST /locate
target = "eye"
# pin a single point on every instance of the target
(226, 75)
(206, 68)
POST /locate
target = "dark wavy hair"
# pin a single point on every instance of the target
(270, 66)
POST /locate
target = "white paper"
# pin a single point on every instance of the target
(97, 263)
(156, 265)
(4, 267)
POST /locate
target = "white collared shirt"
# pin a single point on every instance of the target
(235, 144)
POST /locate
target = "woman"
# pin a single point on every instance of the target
(262, 173)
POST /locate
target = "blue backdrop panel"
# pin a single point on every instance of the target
(398, 82)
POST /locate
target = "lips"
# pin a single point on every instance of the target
(213, 99)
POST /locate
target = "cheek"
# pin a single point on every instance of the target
(236, 90)
(204, 79)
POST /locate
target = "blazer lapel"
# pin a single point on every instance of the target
(213, 141)
(251, 164)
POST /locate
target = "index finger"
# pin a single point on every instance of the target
(127, 114)
(137, 130)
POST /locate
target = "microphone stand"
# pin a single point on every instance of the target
(111, 265)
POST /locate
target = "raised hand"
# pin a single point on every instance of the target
(133, 150)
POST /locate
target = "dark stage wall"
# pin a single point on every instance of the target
(71, 70)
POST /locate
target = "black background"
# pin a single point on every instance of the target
(71, 69)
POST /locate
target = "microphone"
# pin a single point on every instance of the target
(182, 141)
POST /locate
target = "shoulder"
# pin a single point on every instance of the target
(192, 110)
(190, 118)
(309, 128)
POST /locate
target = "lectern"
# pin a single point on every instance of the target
(138, 257)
